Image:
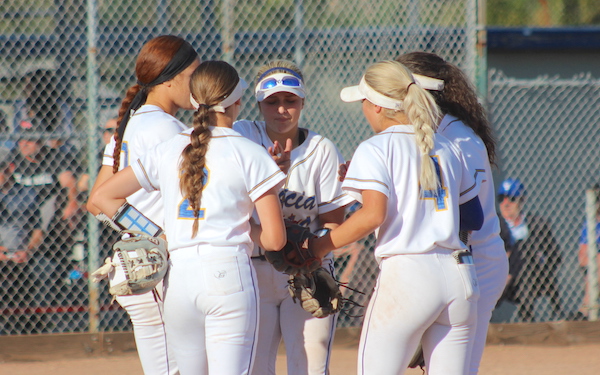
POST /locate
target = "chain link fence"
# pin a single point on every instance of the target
(65, 65)
(547, 131)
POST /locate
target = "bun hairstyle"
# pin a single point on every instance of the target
(394, 80)
(458, 98)
(159, 60)
(210, 83)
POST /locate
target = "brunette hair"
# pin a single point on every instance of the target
(458, 98)
(210, 83)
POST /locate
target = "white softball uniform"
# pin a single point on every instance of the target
(421, 291)
(211, 298)
(491, 262)
(148, 126)
(311, 188)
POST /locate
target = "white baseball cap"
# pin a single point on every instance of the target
(287, 81)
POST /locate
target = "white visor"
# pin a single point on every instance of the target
(235, 95)
(364, 91)
(428, 83)
(279, 81)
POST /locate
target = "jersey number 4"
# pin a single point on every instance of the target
(438, 196)
(185, 211)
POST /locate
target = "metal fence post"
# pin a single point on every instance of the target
(92, 156)
(592, 267)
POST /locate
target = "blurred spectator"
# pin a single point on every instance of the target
(537, 249)
(50, 172)
(26, 275)
(43, 106)
(583, 257)
(20, 227)
(514, 259)
(109, 130)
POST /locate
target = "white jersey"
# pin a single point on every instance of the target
(148, 126)
(238, 173)
(476, 156)
(311, 187)
(389, 162)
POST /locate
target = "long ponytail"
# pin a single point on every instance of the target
(394, 80)
(210, 83)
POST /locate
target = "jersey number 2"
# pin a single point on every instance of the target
(185, 210)
(440, 195)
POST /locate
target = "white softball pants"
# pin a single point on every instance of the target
(307, 339)
(145, 312)
(491, 265)
(420, 297)
(211, 310)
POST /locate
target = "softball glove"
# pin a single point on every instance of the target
(318, 292)
(295, 258)
(144, 261)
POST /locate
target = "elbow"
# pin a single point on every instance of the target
(274, 244)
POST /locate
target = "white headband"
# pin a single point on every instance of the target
(364, 91)
(235, 95)
(428, 83)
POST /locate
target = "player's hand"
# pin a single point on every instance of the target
(342, 170)
(281, 155)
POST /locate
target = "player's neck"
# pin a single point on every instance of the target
(166, 105)
(293, 134)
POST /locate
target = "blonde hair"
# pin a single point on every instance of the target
(210, 83)
(285, 64)
(394, 80)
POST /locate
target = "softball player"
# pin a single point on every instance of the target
(311, 197)
(411, 182)
(163, 71)
(211, 179)
(466, 125)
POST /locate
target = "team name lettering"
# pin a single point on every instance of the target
(297, 200)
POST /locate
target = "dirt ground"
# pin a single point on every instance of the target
(497, 360)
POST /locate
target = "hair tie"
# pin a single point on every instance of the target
(408, 87)
(205, 106)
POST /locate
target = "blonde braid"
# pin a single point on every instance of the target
(424, 114)
(394, 80)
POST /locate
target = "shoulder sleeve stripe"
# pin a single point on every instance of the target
(145, 174)
(303, 160)
(264, 182)
(477, 171)
(469, 189)
(364, 180)
(333, 200)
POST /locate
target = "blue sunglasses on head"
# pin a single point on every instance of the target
(269, 83)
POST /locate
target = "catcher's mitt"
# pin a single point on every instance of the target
(318, 292)
(295, 258)
(144, 261)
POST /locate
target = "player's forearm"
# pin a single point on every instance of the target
(359, 225)
(104, 174)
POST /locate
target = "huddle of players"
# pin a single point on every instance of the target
(223, 309)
